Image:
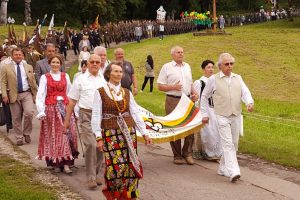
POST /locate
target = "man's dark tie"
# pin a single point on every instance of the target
(19, 78)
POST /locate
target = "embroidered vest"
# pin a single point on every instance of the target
(56, 88)
(109, 107)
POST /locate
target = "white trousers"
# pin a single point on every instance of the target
(229, 128)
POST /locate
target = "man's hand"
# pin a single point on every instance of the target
(148, 140)
(66, 126)
(100, 145)
(177, 86)
(135, 91)
(205, 120)
(5, 100)
(194, 97)
(250, 107)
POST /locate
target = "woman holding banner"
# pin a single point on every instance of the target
(115, 118)
(208, 147)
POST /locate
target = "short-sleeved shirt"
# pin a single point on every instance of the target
(172, 73)
(128, 71)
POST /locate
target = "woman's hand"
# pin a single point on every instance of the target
(148, 140)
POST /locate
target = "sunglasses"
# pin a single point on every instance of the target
(230, 63)
(94, 62)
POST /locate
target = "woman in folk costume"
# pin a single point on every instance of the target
(114, 122)
(208, 147)
(58, 149)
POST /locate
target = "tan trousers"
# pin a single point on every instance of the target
(93, 157)
(22, 114)
(186, 151)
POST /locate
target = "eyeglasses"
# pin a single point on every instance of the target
(94, 62)
(230, 63)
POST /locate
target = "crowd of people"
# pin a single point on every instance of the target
(99, 105)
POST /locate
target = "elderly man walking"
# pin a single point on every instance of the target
(19, 90)
(83, 91)
(101, 51)
(175, 79)
(228, 91)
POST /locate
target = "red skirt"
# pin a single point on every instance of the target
(54, 145)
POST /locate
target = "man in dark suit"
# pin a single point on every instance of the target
(18, 78)
(42, 66)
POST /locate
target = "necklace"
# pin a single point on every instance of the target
(116, 103)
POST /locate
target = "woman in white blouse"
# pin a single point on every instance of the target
(209, 146)
(115, 118)
(84, 55)
(58, 149)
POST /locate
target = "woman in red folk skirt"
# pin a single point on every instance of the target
(57, 146)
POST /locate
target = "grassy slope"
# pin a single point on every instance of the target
(267, 56)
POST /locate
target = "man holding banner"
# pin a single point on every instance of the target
(228, 91)
(175, 79)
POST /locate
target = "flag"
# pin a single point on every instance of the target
(66, 33)
(25, 37)
(184, 120)
(95, 25)
(51, 25)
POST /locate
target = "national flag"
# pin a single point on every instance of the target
(95, 25)
(25, 37)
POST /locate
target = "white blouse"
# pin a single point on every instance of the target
(42, 92)
(97, 110)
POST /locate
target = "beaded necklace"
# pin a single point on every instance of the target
(116, 103)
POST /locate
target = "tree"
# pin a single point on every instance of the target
(27, 12)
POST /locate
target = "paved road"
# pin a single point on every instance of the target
(165, 181)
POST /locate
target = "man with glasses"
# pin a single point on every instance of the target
(228, 91)
(83, 91)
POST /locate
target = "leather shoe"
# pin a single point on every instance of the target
(19, 143)
(189, 160)
(27, 138)
(178, 161)
(92, 184)
(234, 178)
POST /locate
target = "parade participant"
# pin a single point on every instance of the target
(101, 51)
(83, 70)
(63, 46)
(208, 147)
(138, 32)
(161, 31)
(129, 77)
(114, 121)
(228, 91)
(18, 78)
(83, 91)
(58, 149)
(84, 55)
(85, 42)
(175, 79)
(42, 66)
(31, 57)
(75, 39)
(149, 73)
(150, 28)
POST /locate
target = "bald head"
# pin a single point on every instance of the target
(119, 54)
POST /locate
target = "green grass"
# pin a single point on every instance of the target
(267, 57)
(17, 182)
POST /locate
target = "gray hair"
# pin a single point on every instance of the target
(99, 49)
(223, 56)
(50, 45)
(174, 49)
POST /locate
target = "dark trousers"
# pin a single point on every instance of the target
(151, 83)
(186, 150)
(161, 35)
(76, 49)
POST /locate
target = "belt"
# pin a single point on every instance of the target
(85, 110)
(173, 96)
(24, 91)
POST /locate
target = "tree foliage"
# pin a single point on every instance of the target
(78, 12)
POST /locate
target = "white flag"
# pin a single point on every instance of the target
(51, 25)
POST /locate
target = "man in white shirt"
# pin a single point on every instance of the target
(228, 91)
(175, 79)
(83, 91)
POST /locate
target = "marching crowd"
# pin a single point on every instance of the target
(100, 106)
